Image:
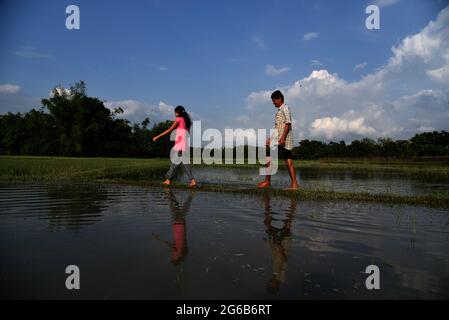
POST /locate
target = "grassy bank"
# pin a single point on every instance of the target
(25, 168)
(150, 172)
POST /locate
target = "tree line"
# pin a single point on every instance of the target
(426, 144)
(71, 123)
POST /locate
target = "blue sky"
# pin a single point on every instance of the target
(206, 55)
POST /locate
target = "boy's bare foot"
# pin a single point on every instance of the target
(192, 183)
(166, 182)
(292, 188)
(263, 184)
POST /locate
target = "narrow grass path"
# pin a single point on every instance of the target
(149, 172)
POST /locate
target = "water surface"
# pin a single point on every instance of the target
(332, 180)
(153, 243)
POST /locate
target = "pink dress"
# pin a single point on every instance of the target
(181, 135)
(179, 237)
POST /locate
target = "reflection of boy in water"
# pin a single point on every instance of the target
(279, 240)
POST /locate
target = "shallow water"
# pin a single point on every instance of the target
(152, 243)
(335, 180)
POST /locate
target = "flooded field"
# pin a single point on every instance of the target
(332, 180)
(155, 243)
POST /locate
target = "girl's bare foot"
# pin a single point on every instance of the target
(192, 183)
(263, 184)
(166, 182)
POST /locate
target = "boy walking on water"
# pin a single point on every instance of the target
(283, 132)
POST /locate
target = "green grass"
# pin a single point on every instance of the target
(13, 168)
(151, 171)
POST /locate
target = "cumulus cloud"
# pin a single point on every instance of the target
(60, 91)
(9, 88)
(136, 111)
(409, 93)
(272, 71)
(310, 36)
(256, 99)
(441, 74)
(334, 127)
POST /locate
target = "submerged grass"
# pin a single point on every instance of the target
(148, 172)
(427, 170)
(430, 200)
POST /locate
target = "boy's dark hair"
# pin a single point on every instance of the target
(277, 95)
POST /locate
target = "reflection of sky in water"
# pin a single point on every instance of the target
(338, 180)
(133, 242)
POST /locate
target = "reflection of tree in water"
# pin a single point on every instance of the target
(279, 242)
(75, 206)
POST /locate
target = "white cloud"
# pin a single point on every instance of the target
(270, 70)
(440, 75)
(242, 119)
(425, 129)
(166, 109)
(310, 36)
(334, 127)
(163, 68)
(315, 63)
(259, 42)
(60, 91)
(256, 99)
(30, 52)
(360, 66)
(9, 88)
(136, 111)
(409, 93)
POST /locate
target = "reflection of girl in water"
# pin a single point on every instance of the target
(179, 248)
(179, 229)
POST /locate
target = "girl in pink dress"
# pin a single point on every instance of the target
(182, 125)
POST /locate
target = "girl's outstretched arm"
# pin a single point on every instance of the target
(173, 127)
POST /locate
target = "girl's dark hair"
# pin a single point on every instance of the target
(183, 113)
